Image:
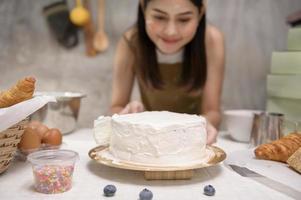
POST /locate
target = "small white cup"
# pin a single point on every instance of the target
(239, 123)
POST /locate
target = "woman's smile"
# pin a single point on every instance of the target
(169, 45)
(170, 41)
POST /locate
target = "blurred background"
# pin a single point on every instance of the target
(252, 29)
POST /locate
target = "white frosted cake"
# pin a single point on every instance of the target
(158, 138)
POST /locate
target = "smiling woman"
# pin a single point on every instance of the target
(177, 59)
(163, 24)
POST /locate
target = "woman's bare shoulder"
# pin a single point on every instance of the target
(130, 33)
(214, 37)
(125, 51)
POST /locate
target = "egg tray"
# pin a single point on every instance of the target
(9, 140)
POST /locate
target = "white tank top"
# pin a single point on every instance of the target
(170, 58)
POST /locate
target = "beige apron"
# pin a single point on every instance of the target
(171, 97)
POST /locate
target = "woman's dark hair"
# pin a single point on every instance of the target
(194, 66)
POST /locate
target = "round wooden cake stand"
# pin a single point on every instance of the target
(153, 172)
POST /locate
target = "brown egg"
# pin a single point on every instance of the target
(30, 140)
(39, 128)
(52, 137)
(33, 124)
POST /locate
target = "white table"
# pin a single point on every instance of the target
(90, 178)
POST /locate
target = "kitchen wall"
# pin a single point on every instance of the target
(252, 29)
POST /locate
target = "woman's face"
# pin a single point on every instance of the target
(171, 24)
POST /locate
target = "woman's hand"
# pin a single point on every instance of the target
(133, 107)
(211, 133)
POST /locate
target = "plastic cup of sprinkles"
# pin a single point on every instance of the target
(53, 170)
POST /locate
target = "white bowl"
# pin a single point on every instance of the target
(239, 123)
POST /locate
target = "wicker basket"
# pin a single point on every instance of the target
(9, 140)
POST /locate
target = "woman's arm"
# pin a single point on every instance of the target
(123, 76)
(215, 72)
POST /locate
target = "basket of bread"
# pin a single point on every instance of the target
(16, 105)
(10, 138)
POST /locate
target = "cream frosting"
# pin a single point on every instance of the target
(157, 138)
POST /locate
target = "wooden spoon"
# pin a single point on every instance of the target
(89, 32)
(101, 41)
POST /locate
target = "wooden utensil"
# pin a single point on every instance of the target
(89, 33)
(101, 41)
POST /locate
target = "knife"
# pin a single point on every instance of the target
(245, 172)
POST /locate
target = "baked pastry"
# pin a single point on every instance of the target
(281, 149)
(295, 160)
(22, 91)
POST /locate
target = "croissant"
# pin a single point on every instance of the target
(22, 91)
(281, 149)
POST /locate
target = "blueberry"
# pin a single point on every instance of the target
(145, 194)
(209, 190)
(109, 190)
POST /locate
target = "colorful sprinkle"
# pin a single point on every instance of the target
(52, 179)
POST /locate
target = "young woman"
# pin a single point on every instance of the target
(177, 59)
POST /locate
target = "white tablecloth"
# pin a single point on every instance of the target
(90, 178)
